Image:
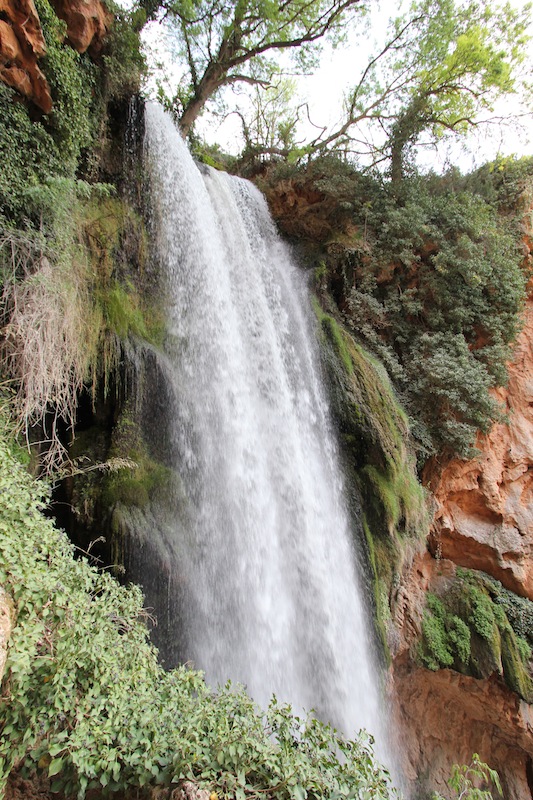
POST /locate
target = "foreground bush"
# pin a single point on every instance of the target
(85, 701)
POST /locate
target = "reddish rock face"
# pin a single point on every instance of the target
(445, 717)
(88, 22)
(21, 45)
(483, 521)
(484, 517)
(22, 42)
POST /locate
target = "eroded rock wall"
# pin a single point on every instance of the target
(484, 517)
(22, 43)
(21, 46)
(483, 521)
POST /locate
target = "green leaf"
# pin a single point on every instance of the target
(56, 765)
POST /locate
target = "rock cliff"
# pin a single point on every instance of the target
(22, 42)
(21, 46)
(483, 521)
(484, 516)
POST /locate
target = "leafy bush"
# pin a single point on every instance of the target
(85, 700)
(35, 150)
(429, 277)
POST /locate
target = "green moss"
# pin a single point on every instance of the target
(122, 312)
(337, 338)
(515, 672)
(467, 623)
(445, 637)
(383, 490)
(375, 432)
(435, 651)
(524, 648)
(379, 563)
(136, 486)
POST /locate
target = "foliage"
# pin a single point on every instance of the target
(85, 701)
(123, 59)
(430, 279)
(225, 44)
(439, 72)
(34, 150)
(51, 332)
(439, 287)
(38, 150)
(64, 310)
(465, 57)
(474, 781)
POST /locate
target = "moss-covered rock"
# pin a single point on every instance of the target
(466, 629)
(374, 436)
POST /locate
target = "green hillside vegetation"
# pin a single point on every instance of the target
(431, 279)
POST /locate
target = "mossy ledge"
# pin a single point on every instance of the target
(468, 628)
(374, 437)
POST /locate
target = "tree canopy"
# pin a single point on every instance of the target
(441, 70)
(224, 43)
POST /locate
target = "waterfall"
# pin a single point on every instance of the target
(259, 553)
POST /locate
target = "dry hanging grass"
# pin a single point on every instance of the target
(50, 335)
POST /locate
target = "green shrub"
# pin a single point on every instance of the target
(85, 701)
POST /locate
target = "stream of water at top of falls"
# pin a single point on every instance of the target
(269, 594)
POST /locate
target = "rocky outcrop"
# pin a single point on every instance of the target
(484, 517)
(309, 213)
(445, 717)
(22, 42)
(21, 45)
(442, 717)
(88, 23)
(483, 521)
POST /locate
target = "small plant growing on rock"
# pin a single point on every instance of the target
(474, 781)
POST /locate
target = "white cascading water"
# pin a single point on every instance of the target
(267, 568)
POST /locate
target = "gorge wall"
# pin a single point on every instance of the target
(483, 521)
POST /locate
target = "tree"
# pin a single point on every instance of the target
(441, 67)
(224, 43)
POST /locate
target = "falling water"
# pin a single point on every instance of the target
(263, 564)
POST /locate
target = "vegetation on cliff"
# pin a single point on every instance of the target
(470, 629)
(420, 286)
(430, 279)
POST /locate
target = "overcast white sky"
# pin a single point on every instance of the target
(341, 67)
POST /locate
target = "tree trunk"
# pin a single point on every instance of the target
(211, 81)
